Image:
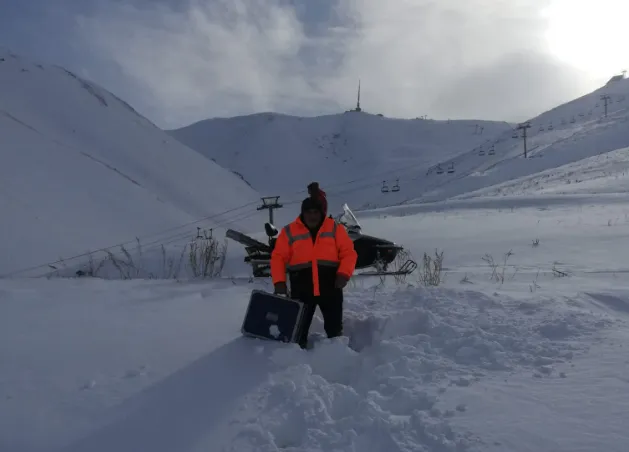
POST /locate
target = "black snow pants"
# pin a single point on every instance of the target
(330, 301)
(332, 311)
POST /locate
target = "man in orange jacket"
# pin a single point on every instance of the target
(319, 257)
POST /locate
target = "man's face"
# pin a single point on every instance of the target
(312, 218)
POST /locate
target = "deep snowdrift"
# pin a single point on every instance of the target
(350, 154)
(81, 170)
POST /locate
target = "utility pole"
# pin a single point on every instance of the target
(523, 127)
(269, 203)
(606, 99)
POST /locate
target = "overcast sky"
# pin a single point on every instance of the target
(180, 61)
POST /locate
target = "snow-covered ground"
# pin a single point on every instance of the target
(535, 363)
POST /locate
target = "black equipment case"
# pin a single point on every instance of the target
(273, 317)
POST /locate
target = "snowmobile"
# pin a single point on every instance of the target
(375, 255)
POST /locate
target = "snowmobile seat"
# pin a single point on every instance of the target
(270, 230)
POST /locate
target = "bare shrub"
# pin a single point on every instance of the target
(206, 256)
(170, 268)
(430, 272)
(498, 270)
(533, 287)
(205, 259)
(124, 264)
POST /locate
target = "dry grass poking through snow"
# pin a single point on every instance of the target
(202, 257)
(430, 272)
(498, 270)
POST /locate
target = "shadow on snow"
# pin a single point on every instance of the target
(177, 412)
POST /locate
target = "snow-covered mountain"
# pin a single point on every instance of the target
(81, 170)
(577, 130)
(355, 155)
(350, 154)
(606, 173)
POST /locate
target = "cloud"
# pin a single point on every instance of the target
(451, 58)
(512, 88)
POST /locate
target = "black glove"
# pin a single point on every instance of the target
(281, 289)
(341, 281)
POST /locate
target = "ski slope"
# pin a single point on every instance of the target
(81, 170)
(580, 130)
(350, 154)
(606, 173)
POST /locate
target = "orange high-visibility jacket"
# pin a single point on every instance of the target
(294, 250)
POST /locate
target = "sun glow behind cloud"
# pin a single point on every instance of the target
(591, 35)
(485, 59)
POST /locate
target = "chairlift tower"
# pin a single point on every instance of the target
(270, 203)
(524, 127)
(605, 98)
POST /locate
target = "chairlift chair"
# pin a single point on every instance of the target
(492, 150)
(515, 134)
(481, 151)
(541, 128)
(451, 168)
(396, 187)
(550, 127)
(439, 169)
(384, 188)
(573, 120)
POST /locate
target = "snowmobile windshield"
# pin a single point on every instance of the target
(348, 219)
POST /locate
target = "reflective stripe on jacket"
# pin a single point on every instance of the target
(296, 250)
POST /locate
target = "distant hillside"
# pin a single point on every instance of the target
(81, 170)
(354, 155)
(564, 135)
(350, 154)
